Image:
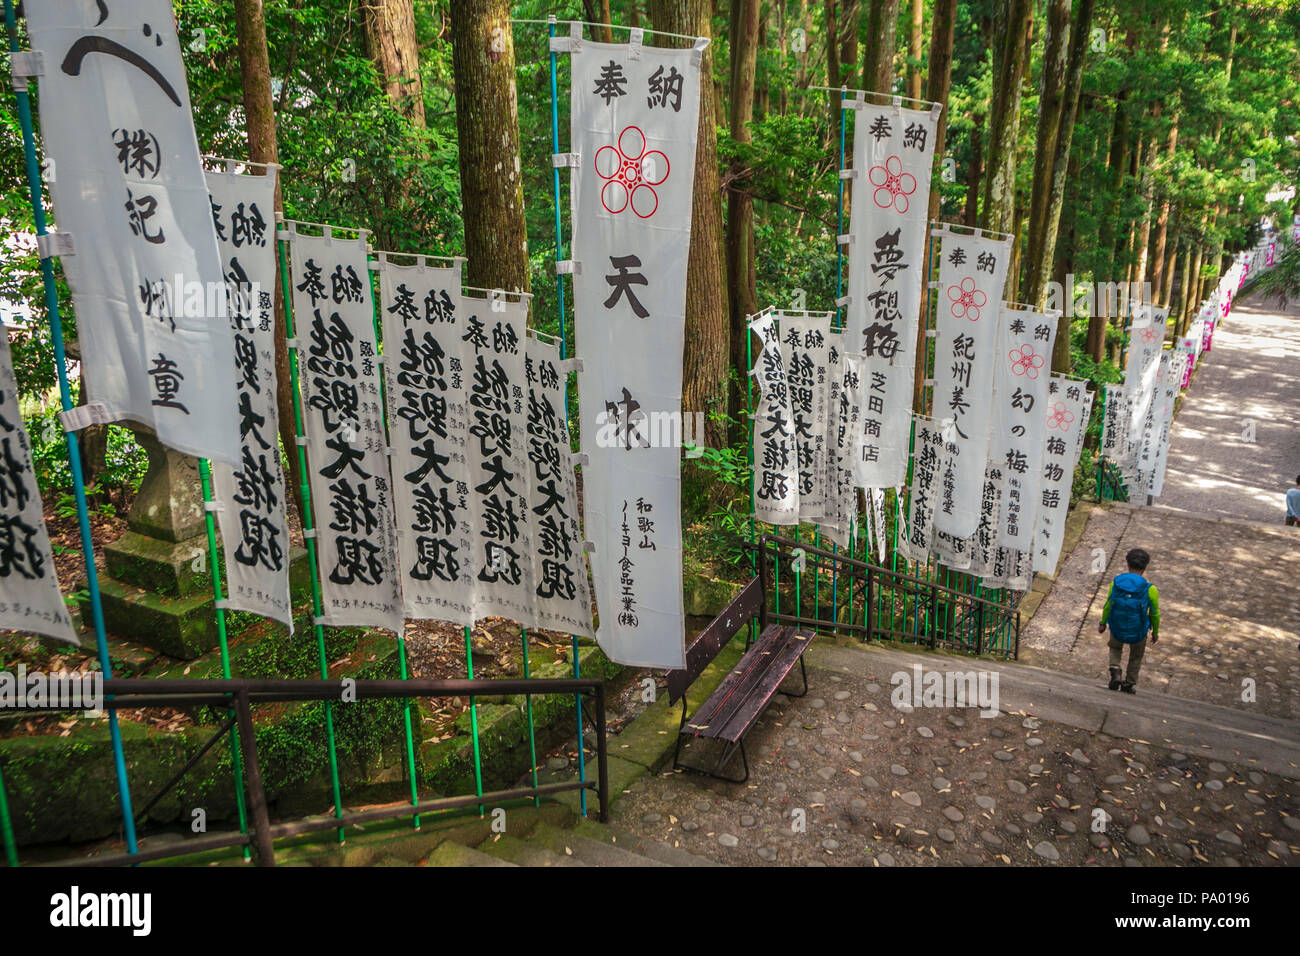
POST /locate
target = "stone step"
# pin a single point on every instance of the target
(503, 846)
(662, 852)
(589, 851)
(453, 854)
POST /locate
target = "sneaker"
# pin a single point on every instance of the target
(1115, 679)
(1128, 688)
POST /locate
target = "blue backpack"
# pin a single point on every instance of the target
(1130, 608)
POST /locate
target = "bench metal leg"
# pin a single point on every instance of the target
(803, 671)
(728, 752)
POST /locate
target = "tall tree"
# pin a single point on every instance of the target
(914, 49)
(487, 126)
(259, 122)
(1010, 60)
(707, 314)
(391, 44)
(740, 203)
(878, 51)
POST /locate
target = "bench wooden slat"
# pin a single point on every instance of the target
(713, 638)
(782, 660)
(745, 691)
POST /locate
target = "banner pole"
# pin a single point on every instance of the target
(473, 721)
(205, 479)
(70, 438)
(7, 827)
(401, 633)
(839, 292)
(528, 709)
(564, 353)
(749, 459)
(308, 532)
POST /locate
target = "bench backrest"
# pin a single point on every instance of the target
(701, 651)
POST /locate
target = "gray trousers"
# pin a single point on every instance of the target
(1135, 652)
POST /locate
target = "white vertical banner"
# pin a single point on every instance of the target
(776, 477)
(1173, 366)
(983, 550)
(497, 449)
(129, 195)
(806, 340)
(846, 418)
(880, 527)
(252, 496)
(1065, 420)
(830, 518)
(1024, 366)
(426, 374)
(561, 594)
(893, 154)
(972, 272)
(1115, 415)
(634, 123)
(928, 459)
(30, 599)
(1141, 367)
(334, 317)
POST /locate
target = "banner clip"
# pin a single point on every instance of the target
(568, 267)
(852, 104)
(23, 66)
(309, 532)
(213, 506)
(292, 343)
(572, 365)
(697, 51)
(223, 604)
(55, 244)
(589, 547)
(931, 333)
(564, 45)
(848, 174)
(581, 459)
(635, 40)
(301, 441)
(83, 416)
(566, 160)
(844, 240)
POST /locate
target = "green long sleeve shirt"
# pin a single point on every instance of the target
(1154, 614)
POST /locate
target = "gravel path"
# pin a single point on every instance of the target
(1252, 375)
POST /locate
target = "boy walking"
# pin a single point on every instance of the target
(1132, 608)
(1293, 504)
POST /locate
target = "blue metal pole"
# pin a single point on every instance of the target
(839, 292)
(74, 451)
(564, 352)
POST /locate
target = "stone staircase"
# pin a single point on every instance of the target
(550, 835)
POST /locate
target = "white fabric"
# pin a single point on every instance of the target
(562, 598)
(128, 188)
(972, 273)
(776, 479)
(252, 496)
(30, 599)
(427, 374)
(846, 420)
(893, 153)
(929, 457)
(806, 347)
(356, 550)
(634, 122)
(1065, 420)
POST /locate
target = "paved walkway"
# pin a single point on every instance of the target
(1224, 562)
(1252, 375)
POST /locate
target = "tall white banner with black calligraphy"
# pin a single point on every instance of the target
(252, 496)
(634, 122)
(929, 457)
(971, 275)
(893, 152)
(1065, 418)
(30, 599)
(426, 372)
(806, 340)
(563, 599)
(352, 502)
(136, 238)
(776, 476)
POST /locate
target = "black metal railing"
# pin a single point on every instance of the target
(877, 603)
(238, 696)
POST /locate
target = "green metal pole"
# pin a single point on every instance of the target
(205, 478)
(559, 304)
(7, 827)
(401, 636)
(473, 723)
(528, 708)
(70, 439)
(309, 534)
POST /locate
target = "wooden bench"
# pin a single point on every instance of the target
(744, 694)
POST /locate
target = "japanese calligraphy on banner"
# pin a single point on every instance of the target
(634, 122)
(929, 458)
(129, 193)
(348, 468)
(563, 599)
(846, 415)
(498, 458)
(1155, 445)
(30, 599)
(1024, 363)
(893, 152)
(776, 478)
(1115, 415)
(879, 524)
(252, 495)
(983, 549)
(426, 374)
(972, 273)
(806, 338)
(1065, 417)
